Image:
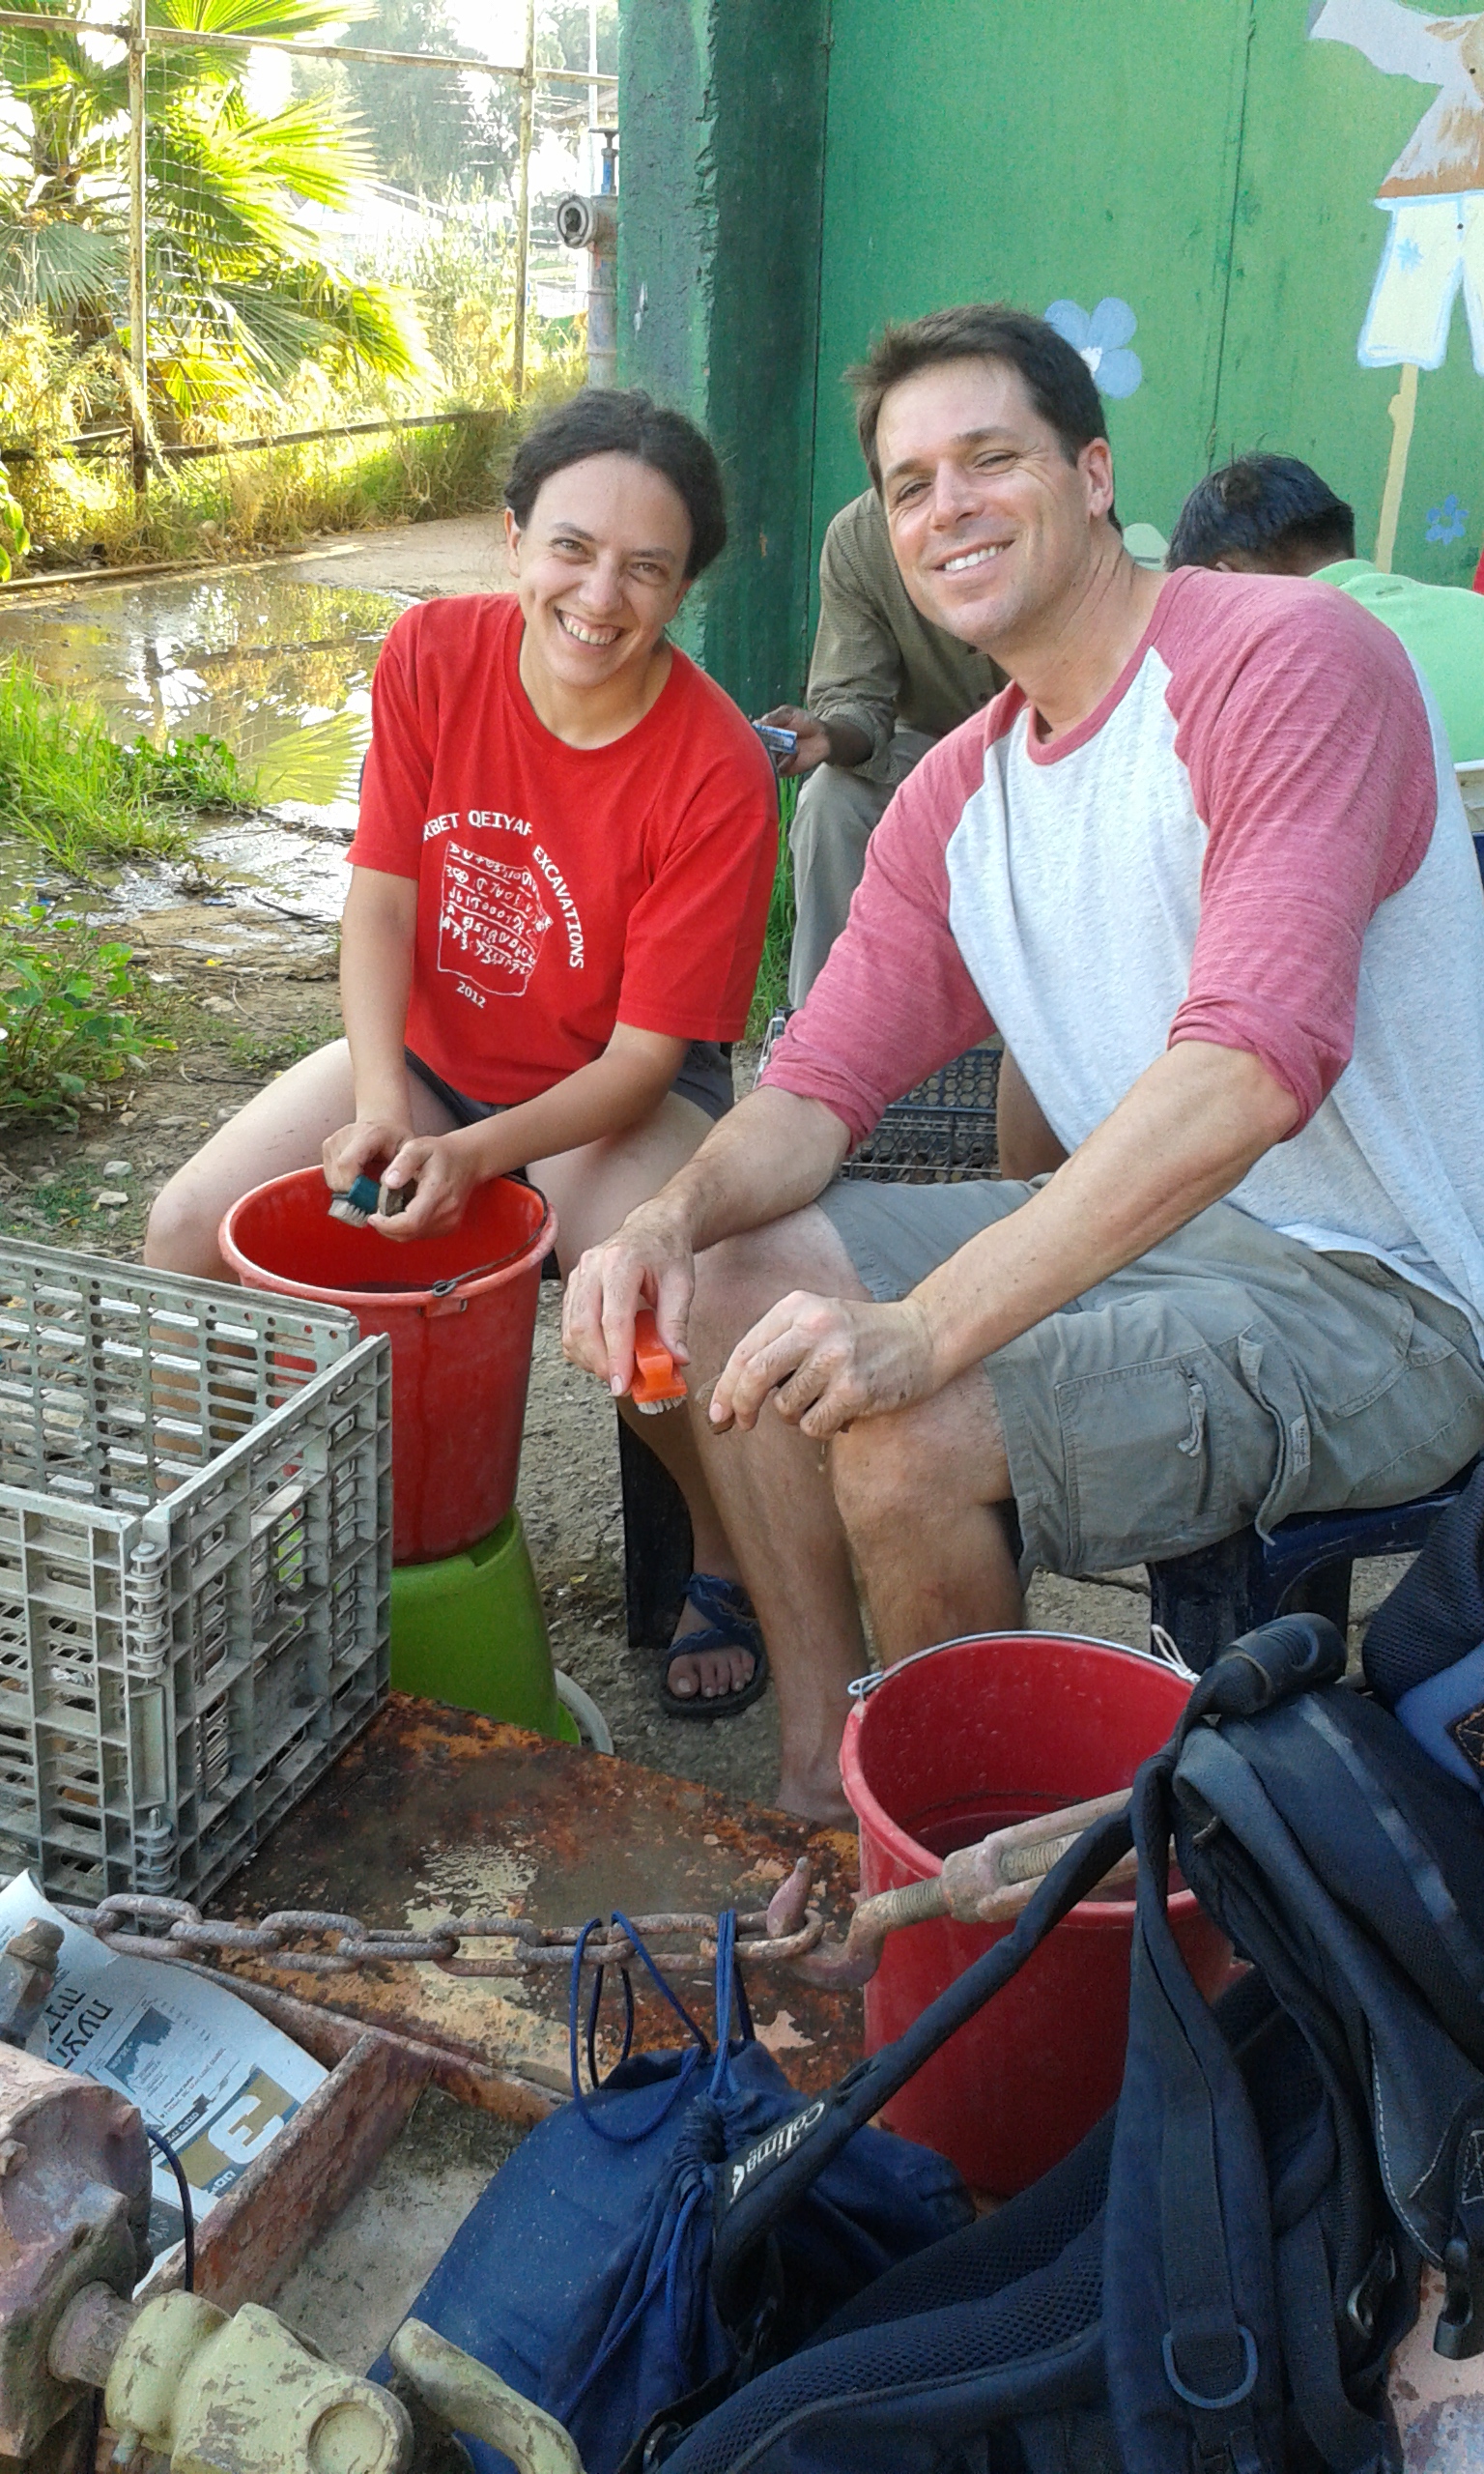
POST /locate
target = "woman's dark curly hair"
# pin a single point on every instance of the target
(623, 420)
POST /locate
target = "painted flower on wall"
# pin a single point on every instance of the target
(1446, 523)
(1101, 337)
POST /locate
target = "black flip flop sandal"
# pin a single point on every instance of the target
(731, 1624)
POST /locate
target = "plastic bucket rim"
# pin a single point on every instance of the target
(536, 1252)
(863, 1687)
(898, 1843)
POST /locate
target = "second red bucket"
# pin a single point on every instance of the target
(945, 1748)
(459, 1313)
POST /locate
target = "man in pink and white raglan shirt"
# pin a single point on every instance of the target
(1205, 866)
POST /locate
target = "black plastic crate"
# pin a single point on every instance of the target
(942, 1132)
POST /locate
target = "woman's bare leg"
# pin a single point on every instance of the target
(592, 1191)
(284, 1127)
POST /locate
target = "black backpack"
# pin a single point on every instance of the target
(1214, 2280)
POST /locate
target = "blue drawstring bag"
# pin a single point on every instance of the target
(581, 2275)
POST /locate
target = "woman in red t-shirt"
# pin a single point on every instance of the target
(559, 887)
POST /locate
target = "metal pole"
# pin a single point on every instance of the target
(523, 201)
(208, 39)
(138, 288)
(593, 94)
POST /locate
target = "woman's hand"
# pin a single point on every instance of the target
(647, 1261)
(827, 1360)
(446, 1172)
(361, 1149)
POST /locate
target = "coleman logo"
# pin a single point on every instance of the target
(779, 2143)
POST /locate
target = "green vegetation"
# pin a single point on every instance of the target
(68, 790)
(242, 289)
(65, 1028)
(286, 495)
(771, 994)
(269, 1051)
(434, 135)
(14, 539)
(279, 299)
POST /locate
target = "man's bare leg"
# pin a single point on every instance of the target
(773, 1490)
(916, 1495)
(920, 1492)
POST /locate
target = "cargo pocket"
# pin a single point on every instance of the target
(1270, 1379)
(1366, 1362)
(1147, 1471)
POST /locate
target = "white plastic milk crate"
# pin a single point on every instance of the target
(195, 1565)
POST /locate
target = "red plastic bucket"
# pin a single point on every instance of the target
(948, 1746)
(459, 1345)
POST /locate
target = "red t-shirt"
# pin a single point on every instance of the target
(560, 889)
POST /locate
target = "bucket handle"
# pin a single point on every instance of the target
(1163, 1652)
(441, 1292)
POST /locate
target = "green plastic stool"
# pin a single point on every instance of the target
(469, 1630)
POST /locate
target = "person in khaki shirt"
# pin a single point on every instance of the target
(884, 685)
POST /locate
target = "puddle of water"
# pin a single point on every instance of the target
(278, 668)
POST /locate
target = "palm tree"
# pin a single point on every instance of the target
(243, 291)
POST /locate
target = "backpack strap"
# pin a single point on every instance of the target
(1294, 1654)
(1349, 2440)
(1193, 2351)
(757, 2189)
(695, 2053)
(1460, 2331)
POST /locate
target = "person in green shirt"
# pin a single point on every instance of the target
(1271, 515)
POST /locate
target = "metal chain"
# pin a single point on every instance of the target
(786, 1930)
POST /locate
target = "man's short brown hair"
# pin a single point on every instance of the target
(1057, 379)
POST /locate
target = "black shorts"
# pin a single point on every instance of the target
(704, 1079)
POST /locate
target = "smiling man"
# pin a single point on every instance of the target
(1204, 865)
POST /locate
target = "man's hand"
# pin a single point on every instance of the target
(817, 742)
(827, 1360)
(647, 1261)
(361, 1149)
(446, 1174)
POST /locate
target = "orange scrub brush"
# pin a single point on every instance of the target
(657, 1383)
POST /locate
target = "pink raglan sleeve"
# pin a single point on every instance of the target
(1312, 762)
(894, 1001)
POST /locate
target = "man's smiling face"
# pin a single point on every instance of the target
(991, 524)
(600, 568)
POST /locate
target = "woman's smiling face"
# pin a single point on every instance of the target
(600, 569)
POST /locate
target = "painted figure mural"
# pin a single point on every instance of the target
(1434, 200)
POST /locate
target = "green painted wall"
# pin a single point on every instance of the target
(1203, 161)
(1323, 130)
(722, 107)
(1011, 149)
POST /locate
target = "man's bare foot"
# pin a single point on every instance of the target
(825, 1812)
(709, 1673)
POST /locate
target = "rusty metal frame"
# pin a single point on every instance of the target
(266, 2224)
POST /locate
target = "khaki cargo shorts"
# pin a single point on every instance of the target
(1229, 1375)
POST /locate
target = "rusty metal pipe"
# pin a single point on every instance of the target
(991, 1882)
(89, 2334)
(987, 1883)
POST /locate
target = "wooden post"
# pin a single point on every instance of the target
(138, 286)
(1403, 408)
(523, 201)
